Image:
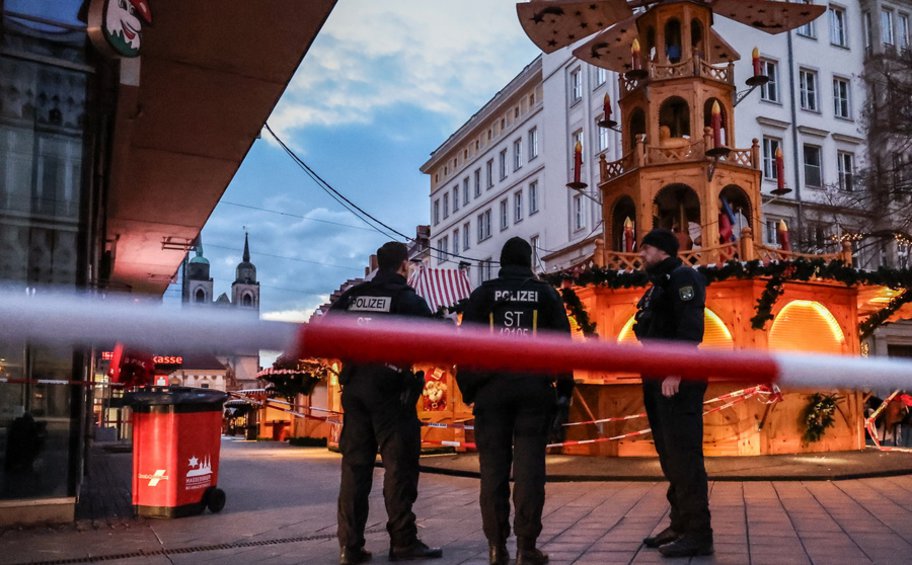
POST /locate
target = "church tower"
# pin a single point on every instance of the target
(245, 290)
(197, 287)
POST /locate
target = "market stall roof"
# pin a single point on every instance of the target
(441, 288)
(208, 77)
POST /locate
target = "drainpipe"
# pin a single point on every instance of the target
(794, 112)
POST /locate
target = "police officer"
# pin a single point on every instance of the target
(379, 404)
(672, 309)
(514, 411)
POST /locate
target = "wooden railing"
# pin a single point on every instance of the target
(768, 254)
(686, 151)
(695, 67)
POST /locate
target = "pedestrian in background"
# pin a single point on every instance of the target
(379, 411)
(514, 411)
(672, 309)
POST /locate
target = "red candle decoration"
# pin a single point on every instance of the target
(606, 107)
(780, 170)
(635, 53)
(629, 236)
(783, 233)
(717, 124)
(577, 161)
(755, 57)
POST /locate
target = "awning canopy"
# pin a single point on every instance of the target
(209, 76)
(442, 288)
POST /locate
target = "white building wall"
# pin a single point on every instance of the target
(784, 119)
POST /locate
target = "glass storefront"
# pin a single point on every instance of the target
(45, 83)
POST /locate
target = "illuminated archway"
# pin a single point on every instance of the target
(716, 334)
(806, 325)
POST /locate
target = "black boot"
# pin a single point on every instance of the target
(415, 550)
(528, 554)
(665, 536)
(498, 554)
(353, 555)
(688, 545)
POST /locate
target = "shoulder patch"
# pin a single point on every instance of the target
(686, 293)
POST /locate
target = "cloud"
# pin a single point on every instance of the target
(444, 57)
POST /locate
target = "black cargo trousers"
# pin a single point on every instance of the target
(512, 420)
(377, 416)
(677, 429)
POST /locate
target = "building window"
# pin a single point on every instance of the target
(442, 246)
(466, 230)
(770, 90)
(456, 242)
(601, 76)
(503, 164)
(812, 173)
(579, 221)
(603, 139)
(838, 34)
(465, 191)
(436, 212)
(484, 225)
(534, 243)
(845, 163)
(841, 107)
(200, 296)
(489, 172)
(517, 207)
(446, 205)
(484, 270)
(504, 215)
(576, 86)
(456, 198)
(903, 32)
(477, 181)
(808, 30)
(533, 143)
(868, 34)
(808, 84)
(517, 154)
(772, 232)
(770, 145)
(533, 197)
(886, 27)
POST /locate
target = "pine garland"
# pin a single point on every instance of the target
(779, 272)
(878, 318)
(575, 305)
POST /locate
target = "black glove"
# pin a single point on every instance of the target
(557, 431)
(414, 386)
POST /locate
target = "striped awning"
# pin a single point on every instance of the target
(442, 288)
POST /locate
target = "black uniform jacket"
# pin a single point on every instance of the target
(672, 308)
(519, 305)
(388, 294)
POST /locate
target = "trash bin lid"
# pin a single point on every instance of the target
(175, 398)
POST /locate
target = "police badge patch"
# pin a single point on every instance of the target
(686, 293)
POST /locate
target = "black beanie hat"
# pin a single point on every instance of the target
(516, 251)
(662, 239)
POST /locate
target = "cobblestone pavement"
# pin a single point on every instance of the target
(281, 510)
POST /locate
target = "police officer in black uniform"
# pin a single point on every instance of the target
(379, 403)
(672, 309)
(514, 411)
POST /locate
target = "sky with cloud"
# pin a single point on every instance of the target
(383, 85)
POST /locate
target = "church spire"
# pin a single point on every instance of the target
(246, 249)
(199, 245)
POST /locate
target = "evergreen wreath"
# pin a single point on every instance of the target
(818, 416)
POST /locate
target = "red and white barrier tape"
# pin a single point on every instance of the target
(78, 320)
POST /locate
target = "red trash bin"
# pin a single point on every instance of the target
(176, 442)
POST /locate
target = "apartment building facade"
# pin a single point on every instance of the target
(813, 109)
